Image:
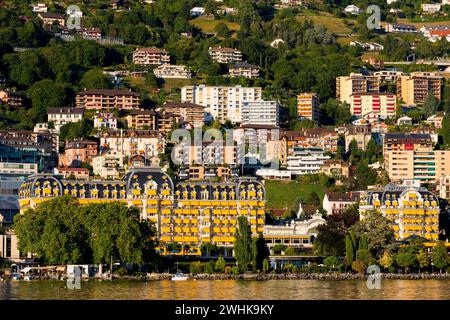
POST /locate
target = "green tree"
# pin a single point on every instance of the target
(220, 265)
(423, 259)
(243, 244)
(349, 250)
(45, 94)
(445, 130)
(405, 260)
(430, 105)
(440, 256)
(222, 30)
(260, 252)
(266, 266)
(95, 79)
(332, 262)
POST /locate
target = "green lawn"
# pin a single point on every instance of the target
(281, 194)
(209, 25)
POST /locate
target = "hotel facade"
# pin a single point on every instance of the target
(189, 213)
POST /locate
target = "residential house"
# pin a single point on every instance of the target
(105, 120)
(400, 28)
(244, 69)
(225, 55)
(77, 152)
(62, 116)
(336, 168)
(168, 71)
(338, 202)
(49, 19)
(151, 56)
(72, 173)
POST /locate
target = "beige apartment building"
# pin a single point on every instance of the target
(381, 104)
(426, 166)
(355, 83)
(191, 113)
(244, 69)
(142, 120)
(407, 142)
(225, 55)
(127, 143)
(308, 106)
(361, 134)
(107, 99)
(150, 56)
(443, 187)
(414, 88)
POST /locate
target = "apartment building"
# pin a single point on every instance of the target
(400, 28)
(355, 83)
(201, 173)
(426, 166)
(166, 122)
(190, 213)
(306, 161)
(261, 112)
(225, 55)
(77, 152)
(220, 102)
(62, 116)
(127, 143)
(108, 165)
(414, 88)
(244, 69)
(105, 120)
(142, 120)
(19, 146)
(308, 106)
(169, 71)
(443, 187)
(338, 202)
(150, 56)
(213, 152)
(187, 113)
(388, 75)
(411, 211)
(48, 18)
(381, 104)
(407, 142)
(336, 168)
(107, 99)
(360, 133)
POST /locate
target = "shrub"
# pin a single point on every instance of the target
(209, 267)
(196, 268)
(235, 270)
(220, 264)
(278, 248)
(122, 271)
(227, 270)
(290, 252)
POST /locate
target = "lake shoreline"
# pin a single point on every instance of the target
(290, 276)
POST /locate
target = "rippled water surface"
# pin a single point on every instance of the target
(227, 290)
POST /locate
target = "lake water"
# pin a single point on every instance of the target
(227, 290)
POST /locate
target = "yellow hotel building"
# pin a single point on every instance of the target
(188, 212)
(412, 211)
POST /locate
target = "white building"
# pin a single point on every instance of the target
(105, 120)
(274, 174)
(39, 7)
(260, 112)
(352, 9)
(431, 7)
(337, 202)
(220, 102)
(197, 11)
(381, 104)
(108, 165)
(62, 116)
(306, 161)
(169, 71)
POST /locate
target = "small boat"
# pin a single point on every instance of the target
(27, 278)
(16, 277)
(179, 277)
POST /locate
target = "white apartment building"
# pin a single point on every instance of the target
(381, 104)
(306, 161)
(225, 55)
(220, 102)
(260, 112)
(108, 165)
(169, 71)
(62, 116)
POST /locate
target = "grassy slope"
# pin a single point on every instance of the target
(281, 194)
(209, 25)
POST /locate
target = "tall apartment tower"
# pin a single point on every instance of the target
(414, 88)
(355, 83)
(308, 106)
(221, 103)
